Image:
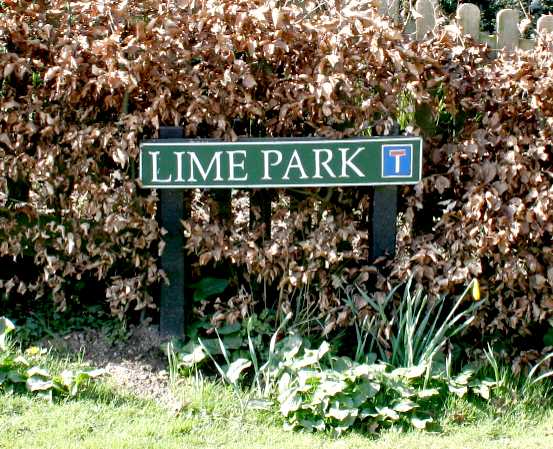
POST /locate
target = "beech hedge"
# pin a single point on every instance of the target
(81, 83)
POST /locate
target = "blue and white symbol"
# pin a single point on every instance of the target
(397, 161)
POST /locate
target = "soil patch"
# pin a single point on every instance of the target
(137, 365)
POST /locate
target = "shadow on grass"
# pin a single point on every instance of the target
(105, 394)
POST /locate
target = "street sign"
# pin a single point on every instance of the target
(271, 163)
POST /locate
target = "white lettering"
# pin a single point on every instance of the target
(347, 162)
(195, 162)
(324, 164)
(179, 155)
(233, 164)
(267, 163)
(155, 169)
(295, 162)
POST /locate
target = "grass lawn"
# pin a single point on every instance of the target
(211, 417)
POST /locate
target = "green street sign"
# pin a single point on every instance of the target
(182, 164)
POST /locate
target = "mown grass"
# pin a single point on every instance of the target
(212, 417)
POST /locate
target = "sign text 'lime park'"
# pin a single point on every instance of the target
(264, 163)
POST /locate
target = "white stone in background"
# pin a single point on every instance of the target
(389, 8)
(508, 33)
(468, 18)
(545, 24)
(426, 19)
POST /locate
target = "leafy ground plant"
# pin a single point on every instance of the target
(23, 372)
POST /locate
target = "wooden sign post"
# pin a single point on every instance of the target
(171, 164)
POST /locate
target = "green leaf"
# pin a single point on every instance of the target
(233, 341)
(6, 326)
(208, 287)
(341, 414)
(312, 356)
(428, 393)
(413, 372)
(289, 347)
(387, 413)
(196, 356)
(235, 369)
(459, 390)
(482, 388)
(289, 402)
(548, 337)
(405, 406)
(363, 391)
(46, 395)
(312, 424)
(36, 371)
(20, 360)
(38, 383)
(16, 377)
(420, 423)
(230, 329)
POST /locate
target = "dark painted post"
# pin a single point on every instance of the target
(261, 200)
(171, 321)
(383, 223)
(384, 217)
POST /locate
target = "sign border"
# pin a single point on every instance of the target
(277, 141)
(410, 165)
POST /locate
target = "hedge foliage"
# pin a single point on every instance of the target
(83, 82)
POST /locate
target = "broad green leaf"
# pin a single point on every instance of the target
(312, 424)
(229, 329)
(208, 287)
(67, 377)
(46, 395)
(405, 406)
(464, 377)
(233, 341)
(459, 390)
(420, 423)
(36, 371)
(364, 391)
(343, 364)
(20, 360)
(6, 326)
(284, 383)
(428, 393)
(481, 389)
(330, 388)
(195, 357)
(94, 373)
(424, 118)
(290, 402)
(312, 356)
(289, 347)
(16, 378)
(38, 383)
(387, 413)
(367, 412)
(413, 372)
(308, 378)
(341, 413)
(212, 346)
(344, 425)
(235, 369)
